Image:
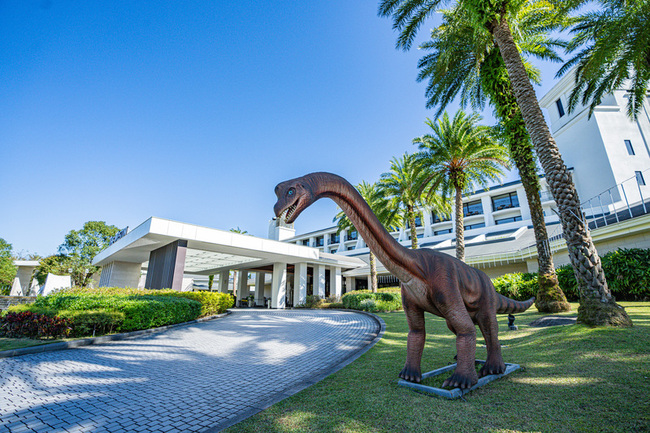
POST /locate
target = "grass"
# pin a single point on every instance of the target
(19, 343)
(575, 379)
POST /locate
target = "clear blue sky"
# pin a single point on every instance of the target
(194, 110)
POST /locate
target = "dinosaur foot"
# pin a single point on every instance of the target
(462, 381)
(492, 367)
(411, 374)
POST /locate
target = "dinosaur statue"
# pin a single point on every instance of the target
(430, 281)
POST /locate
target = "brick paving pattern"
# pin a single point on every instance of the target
(186, 379)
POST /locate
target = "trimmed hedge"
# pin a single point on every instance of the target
(111, 309)
(388, 299)
(26, 324)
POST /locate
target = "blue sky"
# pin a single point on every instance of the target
(193, 111)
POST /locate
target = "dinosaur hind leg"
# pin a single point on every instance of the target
(465, 374)
(489, 328)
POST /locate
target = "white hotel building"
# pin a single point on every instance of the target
(608, 156)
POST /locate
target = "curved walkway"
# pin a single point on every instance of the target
(200, 377)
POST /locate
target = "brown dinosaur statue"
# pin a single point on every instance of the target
(430, 281)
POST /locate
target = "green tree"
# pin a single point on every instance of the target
(7, 268)
(58, 264)
(597, 306)
(404, 185)
(614, 44)
(81, 246)
(459, 154)
(464, 59)
(380, 205)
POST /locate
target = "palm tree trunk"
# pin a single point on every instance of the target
(550, 297)
(373, 273)
(597, 306)
(411, 218)
(460, 228)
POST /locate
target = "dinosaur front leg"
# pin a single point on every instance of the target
(490, 328)
(415, 342)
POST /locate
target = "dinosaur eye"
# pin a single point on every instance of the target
(291, 192)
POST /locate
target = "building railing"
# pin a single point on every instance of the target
(621, 202)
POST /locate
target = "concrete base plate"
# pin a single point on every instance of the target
(456, 392)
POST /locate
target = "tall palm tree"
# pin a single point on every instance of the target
(388, 216)
(597, 306)
(404, 185)
(459, 154)
(615, 53)
(464, 60)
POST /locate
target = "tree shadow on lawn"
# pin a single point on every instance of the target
(574, 379)
(188, 378)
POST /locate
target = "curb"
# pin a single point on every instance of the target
(309, 381)
(62, 345)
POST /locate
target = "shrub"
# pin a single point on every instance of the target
(368, 304)
(211, 302)
(567, 280)
(93, 322)
(384, 300)
(628, 273)
(26, 324)
(518, 286)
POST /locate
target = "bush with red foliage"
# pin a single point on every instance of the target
(26, 324)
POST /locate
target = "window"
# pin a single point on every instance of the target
(472, 208)
(439, 218)
(305, 242)
(320, 241)
(560, 108)
(352, 236)
(505, 201)
(474, 226)
(418, 221)
(639, 178)
(507, 220)
(628, 146)
(335, 238)
(351, 248)
(442, 232)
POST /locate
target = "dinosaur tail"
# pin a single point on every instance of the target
(510, 306)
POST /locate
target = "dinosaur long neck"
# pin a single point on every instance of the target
(389, 252)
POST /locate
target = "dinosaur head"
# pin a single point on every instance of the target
(293, 197)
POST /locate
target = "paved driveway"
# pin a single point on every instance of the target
(193, 378)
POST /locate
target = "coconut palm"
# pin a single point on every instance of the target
(615, 53)
(464, 60)
(404, 185)
(459, 154)
(597, 306)
(388, 216)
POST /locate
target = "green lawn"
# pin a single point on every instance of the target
(575, 379)
(19, 343)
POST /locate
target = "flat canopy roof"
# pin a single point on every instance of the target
(210, 250)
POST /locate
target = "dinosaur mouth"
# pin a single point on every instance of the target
(290, 212)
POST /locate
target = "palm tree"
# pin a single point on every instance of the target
(464, 59)
(617, 54)
(387, 216)
(597, 306)
(459, 154)
(404, 185)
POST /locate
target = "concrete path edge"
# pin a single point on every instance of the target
(62, 345)
(306, 383)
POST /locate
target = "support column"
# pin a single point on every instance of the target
(319, 283)
(259, 288)
(426, 222)
(224, 277)
(121, 274)
(243, 292)
(336, 285)
(299, 284)
(351, 284)
(523, 204)
(166, 266)
(486, 204)
(279, 286)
